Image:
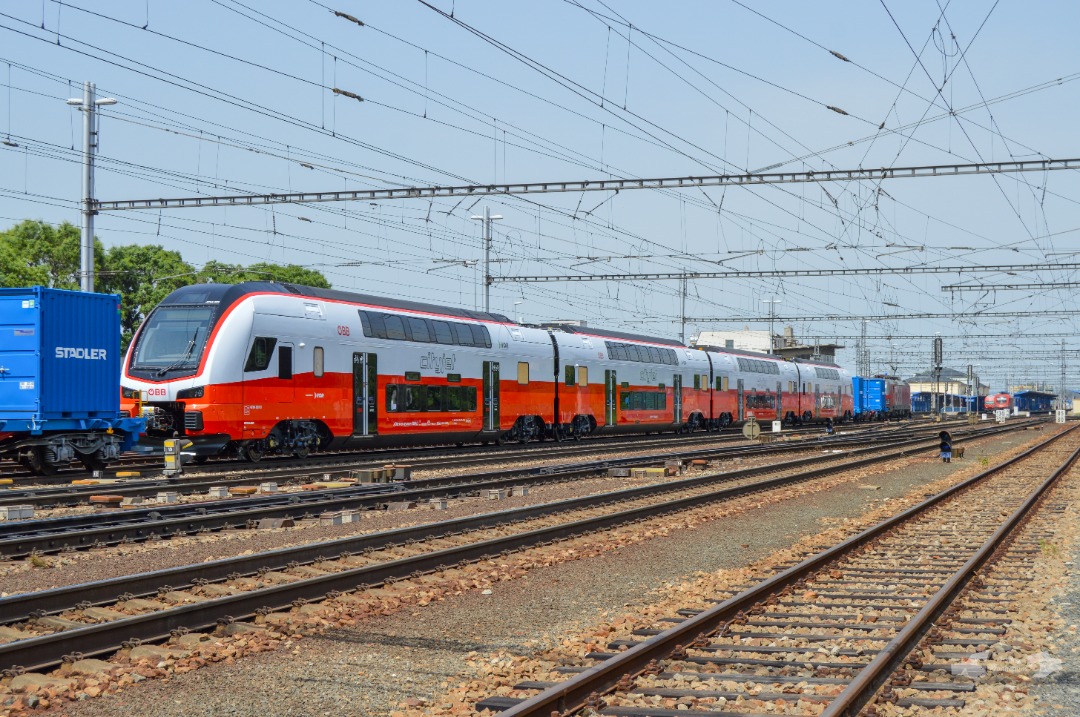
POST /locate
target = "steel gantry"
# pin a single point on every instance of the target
(594, 185)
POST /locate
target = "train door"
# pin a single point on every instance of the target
(677, 390)
(780, 399)
(491, 395)
(611, 398)
(742, 403)
(365, 394)
(285, 372)
(817, 400)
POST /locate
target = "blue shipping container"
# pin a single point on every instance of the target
(869, 394)
(59, 357)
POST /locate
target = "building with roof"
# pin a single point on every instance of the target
(949, 381)
(785, 346)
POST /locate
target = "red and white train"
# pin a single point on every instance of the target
(264, 368)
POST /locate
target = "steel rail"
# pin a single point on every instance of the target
(21, 607)
(869, 679)
(48, 650)
(574, 692)
(72, 532)
(70, 494)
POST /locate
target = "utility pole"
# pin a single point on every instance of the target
(682, 313)
(89, 107)
(937, 372)
(487, 218)
(772, 319)
(1061, 399)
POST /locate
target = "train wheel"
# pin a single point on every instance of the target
(92, 461)
(252, 453)
(302, 451)
(37, 463)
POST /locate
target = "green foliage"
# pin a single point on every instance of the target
(221, 273)
(35, 253)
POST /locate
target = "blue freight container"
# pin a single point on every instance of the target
(869, 394)
(59, 358)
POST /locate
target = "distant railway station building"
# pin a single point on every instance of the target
(765, 342)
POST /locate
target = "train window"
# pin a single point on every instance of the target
(481, 336)
(697, 382)
(413, 399)
(462, 334)
(418, 330)
(435, 398)
(284, 362)
(261, 351)
(378, 324)
(470, 398)
(673, 356)
(523, 373)
(442, 332)
(719, 383)
(392, 398)
(453, 398)
(568, 375)
(317, 361)
(395, 328)
(365, 322)
(583, 375)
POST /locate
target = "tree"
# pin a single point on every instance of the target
(37, 253)
(235, 273)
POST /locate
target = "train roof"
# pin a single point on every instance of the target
(608, 334)
(774, 357)
(227, 294)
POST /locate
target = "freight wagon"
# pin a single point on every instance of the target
(60, 379)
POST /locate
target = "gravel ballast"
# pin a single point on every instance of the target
(416, 654)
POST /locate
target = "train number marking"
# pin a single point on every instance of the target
(343, 330)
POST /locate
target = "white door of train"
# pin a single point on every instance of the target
(365, 394)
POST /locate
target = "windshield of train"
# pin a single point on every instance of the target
(172, 338)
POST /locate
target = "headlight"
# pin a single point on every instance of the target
(196, 392)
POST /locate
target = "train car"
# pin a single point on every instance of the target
(998, 402)
(59, 379)
(1034, 401)
(881, 398)
(769, 388)
(619, 382)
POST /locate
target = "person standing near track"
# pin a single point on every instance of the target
(945, 446)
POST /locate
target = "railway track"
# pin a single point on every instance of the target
(98, 618)
(379, 457)
(50, 535)
(335, 466)
(838, 630)
(194, 483)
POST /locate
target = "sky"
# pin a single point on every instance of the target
(230, 97)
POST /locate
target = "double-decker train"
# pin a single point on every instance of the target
(264, 368)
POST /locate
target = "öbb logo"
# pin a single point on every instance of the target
(65, 352)
(156, 392)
